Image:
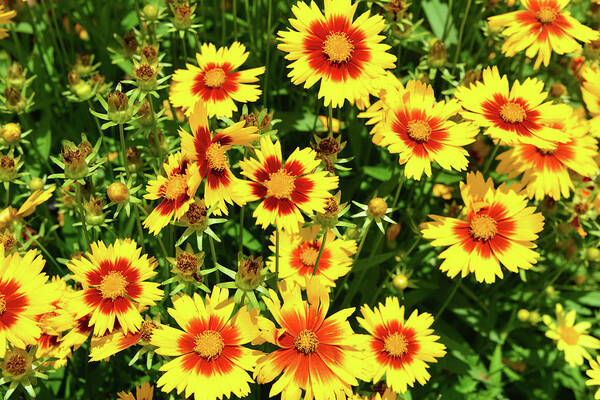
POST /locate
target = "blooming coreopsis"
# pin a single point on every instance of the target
(216, 80)
(543, 27)
(344, 53)
(499, 229)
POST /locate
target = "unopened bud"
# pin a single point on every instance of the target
(118, 192)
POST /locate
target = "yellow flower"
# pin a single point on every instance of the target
(570, 338)
(594, 374)
(5, 19)
(143, 392)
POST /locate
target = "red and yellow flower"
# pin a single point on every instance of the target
(544, 26)
(114, 281)
(499, 229)
(515, 115)
(343, 53)
(173, 189)
(208, 154)
(216, 81)
(210, 359)
(298, 254)
(590, 89)
(419, 129)
(316, 354)
(286, 188)
(399, 349)
(547, 172)
(112, 343)
(24, 297)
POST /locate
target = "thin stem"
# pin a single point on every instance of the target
(330, 120)
(362, 242)
(7, 201)
(460, 33)
(223, 25)
(447, 23)
(490, 159)
(213, 254)
(184, 45)
(268, 45)
(398, 189)
(320, 252)
(234, 10)
(82, 215)
(250, 24)
(457, 284)
(136, 213)
(241, 235)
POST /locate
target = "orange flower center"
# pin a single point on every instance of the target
(147, 330)
(395, 344)
(2, 304)
(546, 15)
(419, 131)
(214, 78)
(569, 335)
(113, 285)
(215, 155)
(16, 364)
(306, 342)
(176, 187)
(483, 227)
(513, 113)
(309, 256)
(280, 185)
(209, 344)
(338, 47)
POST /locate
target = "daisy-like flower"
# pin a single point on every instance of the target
(546, 172)
(419, 129)
(571, 338)
(173, 189)
(498, 230)
(215, 81)
(516, 115)
(344, 54)
(24, 297)
(209, 155)
(110, 344)
(316, 354)
(142, 392)
(544, 26)
(399, 349)
(5, 19)
(286, 189)
(594, 374)
(210, 359)
(114, 281)
(298, 254)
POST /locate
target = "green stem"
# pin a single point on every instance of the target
(234, 10)
(330, 120)
(82, 215)
(320, 252)
(213, 254)
(250, 24)
(268, 46)
(460, 34)
(457, 284)
(277, 250)
(447, 23)
(136, 213)
(223, 24)
(7, 194)
(490, 159)
(398, 189)
(184, 45)
(241, 235)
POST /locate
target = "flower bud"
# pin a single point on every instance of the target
(93, 211)
(145, 114)
(16, 364)
(14, 75)
(75, 164)
(188, 265)
(150, 12)
(523, 315)
(15, 101)
(593, 254)
(8, 241)
(130, 43)
(182, 14)
(377, 207)
(36, 184)
(150, 54)
(393, 231)
(249, 272)
(558, 90)
(117, 101)
(8, 168)
(145, 75)
(196, 217)
(400, 282)
(11, 132)
(437, 54)
(134, 159)
(118, 192)
(534, 317)
(84, 64)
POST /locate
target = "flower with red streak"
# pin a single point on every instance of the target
(515, 115)
(316, 354)
(286, 188)
(210, 359)
(114, 281)
(544, 26)
(174, 190)
(208, 154)
(419, 129)
(499, 229)
(215, 81)
(298, 254)
(547, 172)
(399, 349)
(24, 297)
(343, 53)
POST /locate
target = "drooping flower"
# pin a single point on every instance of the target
(298, 254)
(173, 189)
(544, 26)
(399, 349)
(343, 53)
(571, 338)
(515, 115)
(316, 354)
(115, 285)
(24, 297)
(547, 172)
(286, 189)
(208, 153)
(11, 215)
(143, 392)
(419, 129)
(594, 374)
(210, 359)
(498, 230)
(215, 81)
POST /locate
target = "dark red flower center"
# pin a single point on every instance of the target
(338, 47)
